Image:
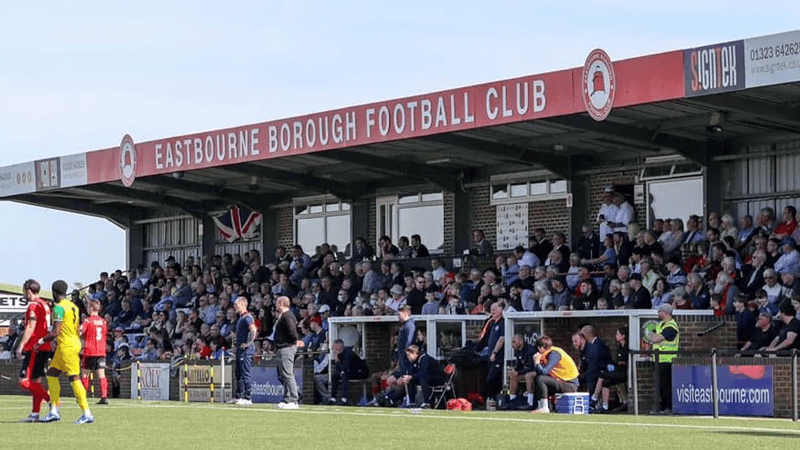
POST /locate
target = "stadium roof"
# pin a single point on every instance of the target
(698, 103)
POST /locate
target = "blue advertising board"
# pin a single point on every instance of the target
(265, 387)
(743, 390)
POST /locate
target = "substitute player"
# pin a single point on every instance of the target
(36, 325)
(94, 331)
(66, 318)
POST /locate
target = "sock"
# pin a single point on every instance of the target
(104, 387)
(55, 392)
(80, 396)
(39, 391)
(512, 397)
(530, 399)
(543, 405)
(605, 405)
(85, 381)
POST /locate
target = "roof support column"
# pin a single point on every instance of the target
(359, 223)
(579, 213)
(207, 240)
(462, 221)
(269, 234)
(134, 244)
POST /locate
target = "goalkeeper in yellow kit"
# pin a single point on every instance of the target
(66, 332)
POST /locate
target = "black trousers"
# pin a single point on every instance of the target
(665, 386)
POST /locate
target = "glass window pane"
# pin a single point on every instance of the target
(499, 191)
(315, 209)
(331, 207)
(408, 199)
(519, 190)
(310, 232)
(303, 209)
(345, 206)
(338, 231)
(558, 187)
(438, 196)
(539, 188)
(427, 221)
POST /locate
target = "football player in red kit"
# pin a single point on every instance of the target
(94, 331)
(36, 352)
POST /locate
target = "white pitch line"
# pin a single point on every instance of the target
(423, 415)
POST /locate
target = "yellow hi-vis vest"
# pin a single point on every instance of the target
(565, 370)
(665, 345)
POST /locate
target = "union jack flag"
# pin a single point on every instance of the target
(238, 223)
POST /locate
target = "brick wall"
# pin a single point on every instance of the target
(449, 224)
(483, 215)
(372, 215)
(552, 215)
(286, 227)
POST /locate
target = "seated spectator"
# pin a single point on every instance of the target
(763, 334)
(587, 300)
(126, 316)
(788, 225)
(437, 267)
(745, 321)
(404, 246)
(697, 293)
(318, 335)
(387, 250)
(561, 298)
(150, 352)
(555, 373)
(418, 249)
(753, 274)
(526, 257)
(510, 270)
(608, 255)
(345, 365)
(787, 338)
(775, 291)
(431, 305)
(661, 293)
(425, 373)
(589, 244)
(640, 296)
(672, 239)
(789, 261)
(361, 251)
(675, 273)
(728, 228)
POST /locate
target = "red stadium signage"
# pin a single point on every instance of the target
(649, 79)
(599, 84)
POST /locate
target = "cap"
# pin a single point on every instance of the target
(397, 289)
(317, 319)
(667, 308)
(636, 276)
(675, 259)
(324, 309)
(790, 241)
(119, 329)
(124, 345)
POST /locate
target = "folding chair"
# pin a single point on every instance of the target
(448, 386)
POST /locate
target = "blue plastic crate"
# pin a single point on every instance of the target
(572, 403)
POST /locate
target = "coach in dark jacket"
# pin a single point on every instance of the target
(286, 341)
(345, 365)
(425, 372)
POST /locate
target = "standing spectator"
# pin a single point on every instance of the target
(666, 337)
(589, 244)
(625, 215)
(493, 332)
(598, 356)
(246, 332)
(418, 249)
(555, 373)
(481, 247)
(608, 212)
(286, 342)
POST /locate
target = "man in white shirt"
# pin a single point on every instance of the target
(608, 212)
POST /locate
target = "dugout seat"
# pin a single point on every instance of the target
(441, 392)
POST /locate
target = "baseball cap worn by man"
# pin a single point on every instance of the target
(666, 308)
(324, 308)
(636, 276)
(790, 241)
(397, 290)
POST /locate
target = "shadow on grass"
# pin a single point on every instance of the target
(776, 433)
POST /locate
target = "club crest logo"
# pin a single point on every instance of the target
(599, 84)
(127, 161)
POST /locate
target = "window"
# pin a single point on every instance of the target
(675, 198)
(406, 215)
(323, 221)
(517, 191)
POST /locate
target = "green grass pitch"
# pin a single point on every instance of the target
(133, 424)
